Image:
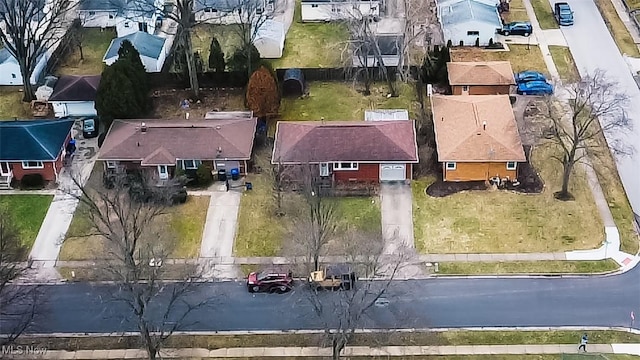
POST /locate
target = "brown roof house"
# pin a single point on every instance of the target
(161, 146)
(349, 151)
(476, 137)
(480, 78)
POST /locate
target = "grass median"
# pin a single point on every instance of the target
(617, 28)
(544, 14)
(526, 267)
(565, 64)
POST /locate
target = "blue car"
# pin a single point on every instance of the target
(535, 88)
(529, 75)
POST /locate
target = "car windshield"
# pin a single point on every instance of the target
(89, 124)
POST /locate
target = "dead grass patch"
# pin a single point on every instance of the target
(95, 43)
(11, 105)
(522, 57)
(166, 102)
(563, 60)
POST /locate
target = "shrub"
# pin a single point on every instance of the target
(477, 42)
(490, 42)
(32, 182)
(203, 175)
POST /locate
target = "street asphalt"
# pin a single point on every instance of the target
(582, 301)
(593, 48)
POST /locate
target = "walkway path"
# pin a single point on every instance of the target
(220, 232)
(386, 351)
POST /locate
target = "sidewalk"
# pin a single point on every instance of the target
(364, 351)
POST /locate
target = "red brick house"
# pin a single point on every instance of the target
(349, 151)
(480, 77)
(32, 147)
(161, 146)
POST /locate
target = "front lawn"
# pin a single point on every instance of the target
(313, 45)
(508, 222)
(227, 35)
(341, 101)
(11, 105)
(184, 223)
(616, 27)
(564, 63)
(526, 267)
(95, 43)
(544, 14)
(517, 12)
(26, 213)
(522, 57)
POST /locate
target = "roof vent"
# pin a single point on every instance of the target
(143, 127)
(484, 125)
(218, 127)
(219, 150)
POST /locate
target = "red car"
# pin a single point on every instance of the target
(270, 281)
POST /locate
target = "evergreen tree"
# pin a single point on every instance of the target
(136, 71)
(239, 60)
(216, 56)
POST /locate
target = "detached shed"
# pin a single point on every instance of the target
(293, 82)
(270, 39)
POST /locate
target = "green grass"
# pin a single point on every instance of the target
(26, 213)
(187, 223)
(363, 213)
(564, 63)
(317, 45)
(95, 43)
(633, 4)
(517, 12)
(228, 36)
(522, 57)
(507, 222)
(617, 29)
(11, 105)
(527, 267)
(544, 14)
(341, 101)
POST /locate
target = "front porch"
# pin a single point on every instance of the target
(5, 180)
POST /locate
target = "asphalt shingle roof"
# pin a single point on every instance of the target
(76, 88)
(454, 12)
(147, 45)
(34, 140)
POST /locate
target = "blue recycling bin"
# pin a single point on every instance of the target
(235, 174)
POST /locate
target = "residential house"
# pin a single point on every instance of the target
(32, 147)
(75, 96)
(476, 137)
(152, 49)
(160, 146)
(127, 16)
(480, 78)
(390, 51)
(331, 10)
(349, 151)
(269, 39)
(465, 21)
(230, 11)
(10, 73)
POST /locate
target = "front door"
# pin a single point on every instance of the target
(5, 169)
(163, 172)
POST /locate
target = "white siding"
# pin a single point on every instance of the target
(10, 73)
(99, 19)
(338, 10)
(459, 32)
(129, 25)
(73, 108)
(219, 17)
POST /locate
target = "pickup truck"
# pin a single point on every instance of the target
(563, 13)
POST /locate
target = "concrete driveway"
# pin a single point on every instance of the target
(593, 48)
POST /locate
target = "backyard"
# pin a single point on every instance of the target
(317, 45)
(11, 105)
(261, 232)
(95, 43)
(26, 213)
(227, 35)
(564, 63)
(522, 57)
(508, 222)
(185, 222)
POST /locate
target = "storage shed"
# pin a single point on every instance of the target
(269, 39)
(293, 82)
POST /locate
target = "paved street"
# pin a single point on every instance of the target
(593, 48)
(584, 301)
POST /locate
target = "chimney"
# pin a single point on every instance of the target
(484, 125)
(219, 150)
(143, 127)
(322, 120)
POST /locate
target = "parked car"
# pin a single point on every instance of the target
(89, 128)
(529, 75)
(563, 13)
(516, 28)
(535, 88)
(271, 280)
(334, 277)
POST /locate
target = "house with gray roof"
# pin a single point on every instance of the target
(127, 16)
(464, 21)
(152, 49)
(10, 73)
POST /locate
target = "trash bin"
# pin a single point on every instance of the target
(222, 175)
(248, 185)
(235, 174)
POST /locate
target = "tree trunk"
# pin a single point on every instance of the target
(28, 89)
(191, 65)
(567, 167)
(337, 345)
(81, 52)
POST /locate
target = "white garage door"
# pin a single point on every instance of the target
(81, 109)
(393, 172)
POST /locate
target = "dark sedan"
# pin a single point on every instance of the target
(516, 28)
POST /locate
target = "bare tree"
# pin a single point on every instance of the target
(18, 303)
(30, 28)
(342, 313)
(124, 217)
(596, 106)
(278, 175)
